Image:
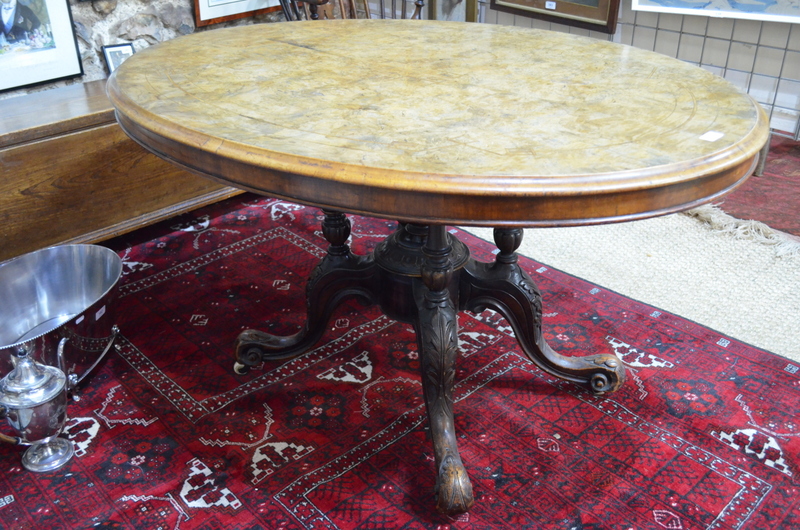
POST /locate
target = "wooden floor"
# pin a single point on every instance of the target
(774, 197)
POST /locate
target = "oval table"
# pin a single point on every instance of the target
(435, 124)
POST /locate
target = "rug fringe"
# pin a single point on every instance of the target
(720, 222)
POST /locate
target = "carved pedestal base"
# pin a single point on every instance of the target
(423, 275)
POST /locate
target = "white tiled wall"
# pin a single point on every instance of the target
(762, 58)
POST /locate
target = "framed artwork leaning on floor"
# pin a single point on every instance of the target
(37, 43)
(595, 15)
(116, 53)
(214, 11)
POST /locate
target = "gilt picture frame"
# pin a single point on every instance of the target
(215, 11)
(595, 15)
(37, 43)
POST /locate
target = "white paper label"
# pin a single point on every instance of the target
(549, 5)
(712, 136)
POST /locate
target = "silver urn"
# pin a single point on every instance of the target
(33, 399)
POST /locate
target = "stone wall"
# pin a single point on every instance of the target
(99, 23)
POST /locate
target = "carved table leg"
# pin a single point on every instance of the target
(339, 275)
(508, 289)
(437, 328)
(421, 274)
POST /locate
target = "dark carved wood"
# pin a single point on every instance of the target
(506, 288)
(422, 275)
(336, 230)
(437, 336)
(340, 275)
(402, 252)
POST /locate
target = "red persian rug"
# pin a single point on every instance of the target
(773, 197)
(705, 433)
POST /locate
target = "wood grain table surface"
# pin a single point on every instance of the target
(441, 122)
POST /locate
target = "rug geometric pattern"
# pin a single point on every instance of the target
(704, 434)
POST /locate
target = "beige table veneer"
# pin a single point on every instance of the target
(435, 123)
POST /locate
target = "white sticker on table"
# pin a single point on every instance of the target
(712, 136)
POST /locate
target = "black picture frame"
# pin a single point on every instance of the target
(39, 46)
(595, 15)
(115, 54)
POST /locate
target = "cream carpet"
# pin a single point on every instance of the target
(737, 277)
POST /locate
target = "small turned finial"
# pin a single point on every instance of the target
(336, 230)
(508, 241)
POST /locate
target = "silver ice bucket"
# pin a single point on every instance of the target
(56, 324)
(64, 292)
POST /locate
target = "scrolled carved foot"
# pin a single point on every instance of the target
(254, 347)
(453, 488)
(247, 355)
(509, 290)
(609, 377)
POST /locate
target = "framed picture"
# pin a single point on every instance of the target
(37, 43)
(773, 10)
(596, 15)
(214, 11)
(116, 53)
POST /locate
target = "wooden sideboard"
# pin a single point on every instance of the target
(70, 175)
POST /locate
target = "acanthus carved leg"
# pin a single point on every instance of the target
(437, 335)
(338, 276)
(506, 288)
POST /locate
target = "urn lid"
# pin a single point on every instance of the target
(30, 384)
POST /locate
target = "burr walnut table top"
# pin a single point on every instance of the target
(442, 122)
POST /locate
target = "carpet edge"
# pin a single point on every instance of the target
(712, 216)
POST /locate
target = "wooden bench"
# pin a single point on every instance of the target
(70, 175)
